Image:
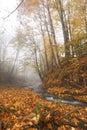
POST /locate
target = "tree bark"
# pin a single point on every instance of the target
(43, 36)
(54, 62)
(61, 13)
(53, 34)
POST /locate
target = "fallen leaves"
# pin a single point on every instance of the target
(21, 109)
(63, 92)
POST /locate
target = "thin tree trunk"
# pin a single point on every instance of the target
(46, 58)
(70, 32)
(36, 59)
(13, 67)
(50, 42)
(64, 29)
(53, 34)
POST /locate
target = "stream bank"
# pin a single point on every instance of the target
(21, 105)
(51, 97)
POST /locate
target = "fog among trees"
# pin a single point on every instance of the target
(43, 65)
(37, 40)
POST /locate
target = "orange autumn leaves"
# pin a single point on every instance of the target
(21, 109)
(18, 108)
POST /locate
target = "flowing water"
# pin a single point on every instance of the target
(50, 97)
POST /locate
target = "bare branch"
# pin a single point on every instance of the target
(14, 9)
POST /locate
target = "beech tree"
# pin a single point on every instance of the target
(19, 41)
(43, 37)
(53, 35)
(47, 15)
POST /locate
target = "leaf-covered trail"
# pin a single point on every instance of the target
(23, 109)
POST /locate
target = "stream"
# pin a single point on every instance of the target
(50, 97)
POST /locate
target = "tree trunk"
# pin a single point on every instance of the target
(53, 34)
(46, 58)
(13, 67)
(50, 42)
(64, 27)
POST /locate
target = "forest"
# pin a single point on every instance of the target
(43, 65)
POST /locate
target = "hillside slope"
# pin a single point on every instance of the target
(70, 80)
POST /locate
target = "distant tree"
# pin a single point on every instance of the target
(18, 42)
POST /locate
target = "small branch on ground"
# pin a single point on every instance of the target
(70, 112)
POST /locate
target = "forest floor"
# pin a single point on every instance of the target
(23, 109)
(70, 82)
